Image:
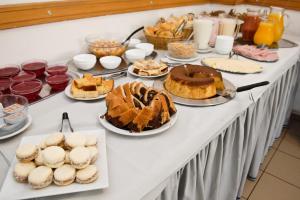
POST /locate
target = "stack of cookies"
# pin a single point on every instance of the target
(60, 159)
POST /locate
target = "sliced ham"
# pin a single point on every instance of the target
(252, 52)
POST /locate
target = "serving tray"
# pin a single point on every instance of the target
(283, 43)
(213, 101)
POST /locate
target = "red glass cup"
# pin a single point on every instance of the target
(28, 89)
(57, 69)
(36, 66)
(9, 71)
(5, 84)
(58, 82)
(23, 76)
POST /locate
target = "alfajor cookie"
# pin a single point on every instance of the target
(55, 139)
(27, 152)
(40, 177)
(39, 159)
(91, 140)
(93, 153)
(67, 157)
(74, 140)
(22, 170)
(87, 175)
(80, 157)
(64, 175)
(54, 156)
(42, 144)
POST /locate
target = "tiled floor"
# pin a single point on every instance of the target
(279, 176)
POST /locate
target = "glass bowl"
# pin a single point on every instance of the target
(182, 50)
(23, 76)
(28, 89)
(14, 113)
(36, 66)
(9, 71)
(5, 84)
(57, 69)
(105, 47)
(58, 82)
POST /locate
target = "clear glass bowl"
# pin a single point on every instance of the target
(36, 66)
(13, 113)
(28, 89)
(182, 50)
(58, 82)
(7, 71)
(57, 69)
(105, 47)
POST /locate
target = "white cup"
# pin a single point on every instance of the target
(224, 44)
(229, 26)
(202, 32)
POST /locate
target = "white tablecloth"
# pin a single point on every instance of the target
(196, 153)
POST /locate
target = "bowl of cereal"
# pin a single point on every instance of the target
(105, 47)
(182, 50)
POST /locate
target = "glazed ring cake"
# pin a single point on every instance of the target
(194, 82)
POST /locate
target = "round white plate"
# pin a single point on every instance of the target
(197, 57)
(130, 71)
(29, 121)
(161, 129)
(69, 94)
(208, 50)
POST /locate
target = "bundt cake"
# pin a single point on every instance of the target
(194, 81)
(136, 107)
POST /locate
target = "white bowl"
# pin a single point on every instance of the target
(147, 47)
(85, 61)
(110, 62)
(132, 42)
(135, 54)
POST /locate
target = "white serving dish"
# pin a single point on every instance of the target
(110, 62)
(133, 55)
(85, 61)
(147, 47)
(68, 93)
(131, 68)
(11, 189)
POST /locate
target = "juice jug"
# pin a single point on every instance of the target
(250, 25)
(265, 33)
(277, 16)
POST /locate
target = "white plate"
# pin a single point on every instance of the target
(208, 50)
(11, 189)
(69, 94)
(161, 129)
(130, 71)
(197, 57)
(29, 121)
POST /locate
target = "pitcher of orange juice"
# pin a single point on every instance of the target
(265, 32)
(277, 16)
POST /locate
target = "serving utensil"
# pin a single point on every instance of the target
(132, 34)
(65, 116)
(230, 93)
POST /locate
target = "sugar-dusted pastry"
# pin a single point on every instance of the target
(149, 68)
(39, 159)
(87, 175)
(80, 157)
(54, 156)
(40, 177)
(64, 175)
(75, 140)
(91, 140)
(22, 170)
(93, 153)
(42, 144)
(67, 157)
(55, 139)
(27, 152)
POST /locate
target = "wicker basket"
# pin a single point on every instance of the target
(162, 42)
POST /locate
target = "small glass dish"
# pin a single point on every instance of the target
(7, 71)
(28, 89)
(23, 76)
(58, 82)
(13, 113)
(36, 66)
(182, 49)
(57, 69)
(5, 84)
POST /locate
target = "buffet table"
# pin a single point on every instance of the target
(207, 154)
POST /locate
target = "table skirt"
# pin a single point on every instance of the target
(219, 171)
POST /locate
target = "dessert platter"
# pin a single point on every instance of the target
(148, 69)
(134, 109)
(57, 163)
(232, 65)
(89, 88)
(195, 85)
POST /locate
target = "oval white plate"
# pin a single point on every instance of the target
(208, 50)
(161, 129)
(130, 71)
(29, 121)
(69, 94)
(197, 57)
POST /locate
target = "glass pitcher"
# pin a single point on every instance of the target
(250, 25)
(265, 32)
(277, 16)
